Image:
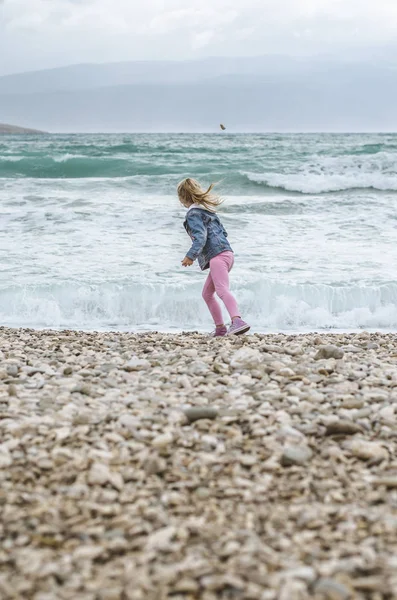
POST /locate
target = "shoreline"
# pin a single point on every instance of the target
(140, 466)
(206, 331)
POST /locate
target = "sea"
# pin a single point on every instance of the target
(92, 237)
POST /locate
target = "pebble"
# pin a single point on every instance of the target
(161, 441)
(295, 455)
(283, 484)
(351, 403)
(12, 390)
(12, 370)
(389, 481)
(330, 589)
(246, 358)
(136, 364)
(329, 351)
(83, 388)
(99, 474)
(195, 413)
(342, 427)
(387, 413)
(371, 451)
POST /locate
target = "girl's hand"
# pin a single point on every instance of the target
(187, 262)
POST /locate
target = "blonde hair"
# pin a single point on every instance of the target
(191, 192)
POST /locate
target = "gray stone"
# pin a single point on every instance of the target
(136, 364)
(330, 589)
(83, 388)
(196, 413)
(295, 455)
(329, 351)
(12, 370)
(342, 427)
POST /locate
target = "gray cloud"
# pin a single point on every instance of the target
(39, 33)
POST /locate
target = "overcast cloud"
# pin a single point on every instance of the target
(37, 34)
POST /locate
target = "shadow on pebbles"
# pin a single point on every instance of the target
(154, 466)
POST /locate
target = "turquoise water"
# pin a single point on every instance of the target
(91, 231)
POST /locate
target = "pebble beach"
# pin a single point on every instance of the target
(158, 466)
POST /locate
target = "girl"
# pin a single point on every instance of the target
(213, 251)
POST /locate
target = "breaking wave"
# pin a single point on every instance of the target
(267, 304)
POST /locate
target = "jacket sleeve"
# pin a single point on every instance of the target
(198, 232)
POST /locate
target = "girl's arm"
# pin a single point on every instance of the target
(198, 233)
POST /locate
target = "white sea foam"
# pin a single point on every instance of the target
(319, 183)
(268, 305)
(321, 174)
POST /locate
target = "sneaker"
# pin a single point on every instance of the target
(219, 331)
(238, 327)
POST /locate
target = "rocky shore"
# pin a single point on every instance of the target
(156, 466)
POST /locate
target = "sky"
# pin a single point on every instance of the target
(38, 34)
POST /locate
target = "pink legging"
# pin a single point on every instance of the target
(218, 281)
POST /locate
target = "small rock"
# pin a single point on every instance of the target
(83, 388)
(295, 455)
(286, 372)
(371, 451)
(248, 460)
(12, 370)
(191, 352)
(203, 493)
(293, 590)
(155, 465)
(389, 481)
(351, 403)
(195, 413)
(5, 457)
(128, 422)
(306, 573)
(246, 358)
(161, 441)
(67, 371)
(87, 552)
(329, 351)
(82, 418)
(161, 539)
(45, 464)
(114, 593)
(186, 586)
(198, 368)
(353, 349)
(136, 364)
(12, 390)
(343, 427)
(370, 584)
(99, 474)
(387, 413)
(230, 549)
(330, 589)
(287, 432)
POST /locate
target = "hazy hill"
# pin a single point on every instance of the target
(248, 94)
(88, 76)
(4, 128)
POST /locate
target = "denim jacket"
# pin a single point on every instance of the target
(208, 235)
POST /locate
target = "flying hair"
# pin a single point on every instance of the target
(191, 192)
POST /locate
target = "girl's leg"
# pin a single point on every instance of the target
(209, 298)
(220, 266)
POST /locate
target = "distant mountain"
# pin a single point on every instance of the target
(13, 129)
(88, 76)
(268, 93)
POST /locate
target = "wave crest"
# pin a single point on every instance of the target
(268, 305)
